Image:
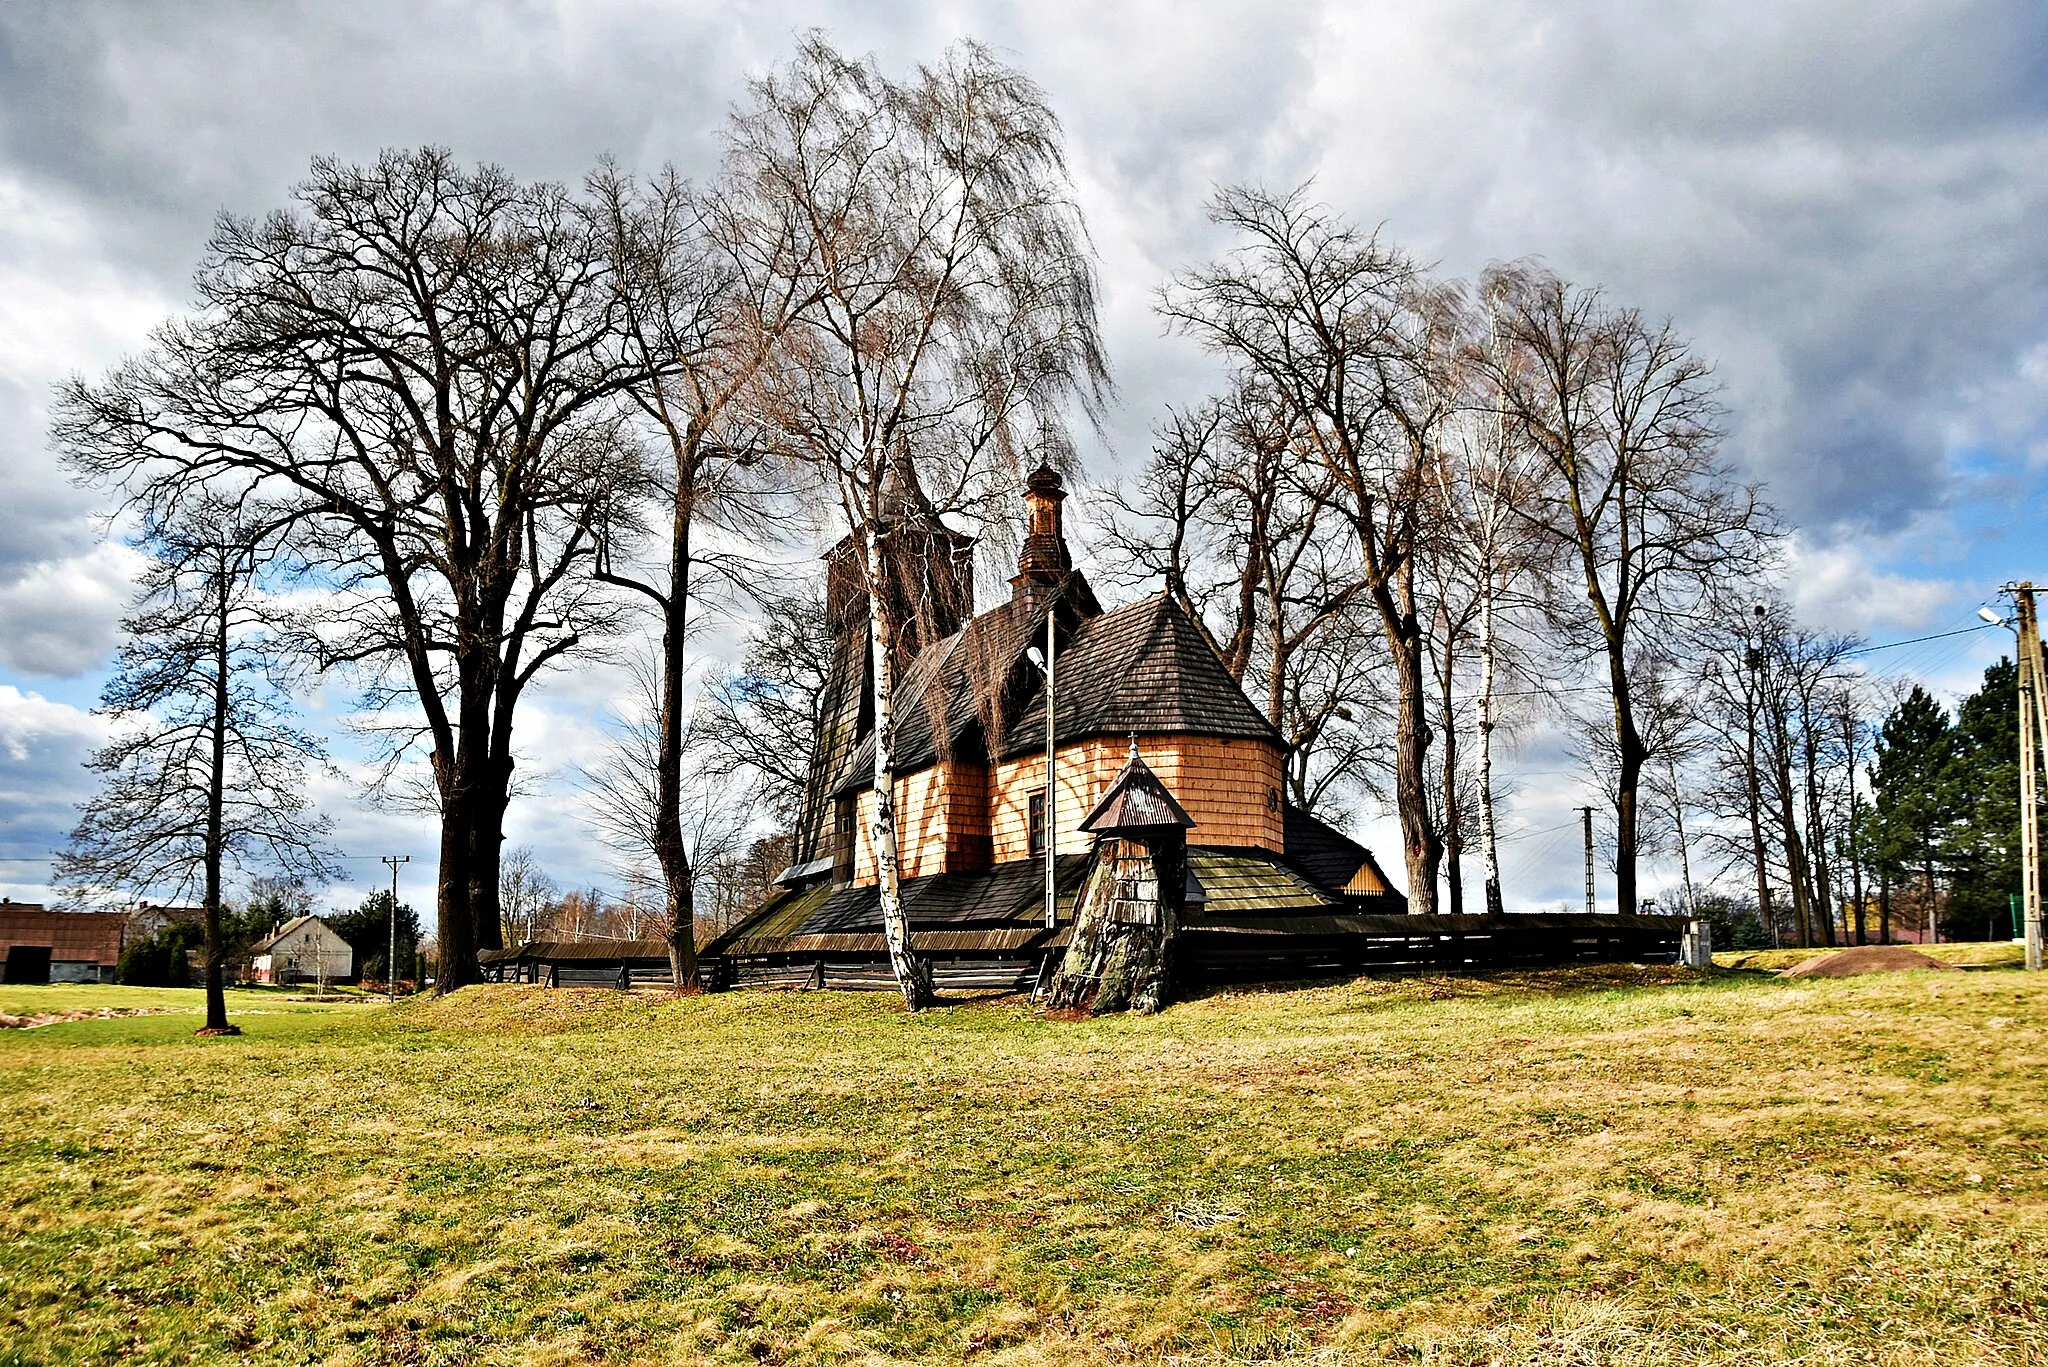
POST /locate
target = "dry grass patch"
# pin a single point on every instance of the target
(1588, 1166)
(1987, 954)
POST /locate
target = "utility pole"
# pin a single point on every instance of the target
(391, 954)
(2033, 747)
(1587, 813)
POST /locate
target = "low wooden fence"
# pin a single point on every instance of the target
(1250, 949)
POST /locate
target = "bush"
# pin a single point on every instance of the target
(162, 960)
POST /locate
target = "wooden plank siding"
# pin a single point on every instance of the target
(953, 817)
(1368, 881)
(1227, 785)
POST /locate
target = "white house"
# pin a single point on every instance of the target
(304, 949)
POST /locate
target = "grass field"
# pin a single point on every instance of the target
(1601, 1166)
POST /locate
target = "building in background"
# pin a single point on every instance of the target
(303, 949)
(44, 946)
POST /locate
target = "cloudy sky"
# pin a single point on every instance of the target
(1845, 204)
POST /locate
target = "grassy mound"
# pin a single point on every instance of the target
(1988, 954)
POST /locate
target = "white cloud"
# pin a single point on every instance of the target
(1840, 204)
(60, 618)
(1838, 588)
(43, 745)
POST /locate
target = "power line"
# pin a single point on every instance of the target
(1916, 640)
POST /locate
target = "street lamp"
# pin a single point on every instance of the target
(1046, 663)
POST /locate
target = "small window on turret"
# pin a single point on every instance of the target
(1038, 823)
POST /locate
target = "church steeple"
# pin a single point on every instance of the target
(1044, 563)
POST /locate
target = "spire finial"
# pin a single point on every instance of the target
(1134, 746)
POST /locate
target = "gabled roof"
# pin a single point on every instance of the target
(1325, 855)
(957, 690)
(277, 936)
(1136, 801)
(1145, 667)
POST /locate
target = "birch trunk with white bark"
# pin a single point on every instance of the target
(913, 978)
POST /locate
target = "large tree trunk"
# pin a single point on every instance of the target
(1628, 779)
(1421, 849)
(670, 849)
(454, 928)
(1421, 846)
(487, 852)
(216, 796)
(912, 976)
(465, 794)
(1126, 919)
(1795, 849)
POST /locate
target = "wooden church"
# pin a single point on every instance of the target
(994, 804)
(1268, 891)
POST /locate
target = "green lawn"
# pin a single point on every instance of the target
(63, 998)
(1610, 1166)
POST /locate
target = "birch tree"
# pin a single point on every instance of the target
(1236, 522)
(206, 775)
(949, 318)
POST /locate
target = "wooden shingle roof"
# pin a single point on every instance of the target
(1136, 801)
(1145, 667)
(1008, 896)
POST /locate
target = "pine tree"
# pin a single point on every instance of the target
(1915, 802)
(1983, 780)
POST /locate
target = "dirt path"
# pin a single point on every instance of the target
(103, 1013)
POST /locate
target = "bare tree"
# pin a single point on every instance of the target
(1488, 476)
(1803, 677)
(1346, 333)
(524, 888)
(423, 362)
(759, 718)
(206, 775)
(1621, 416)
(949, 316)
(697, 324)
(1235, 522)
(630, 808)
